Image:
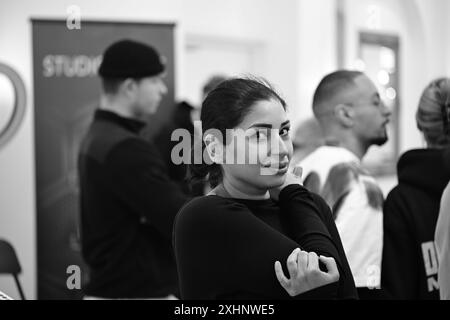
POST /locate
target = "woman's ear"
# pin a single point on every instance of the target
(345, 115)
(214, 148)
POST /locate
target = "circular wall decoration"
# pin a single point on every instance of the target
(12, 102)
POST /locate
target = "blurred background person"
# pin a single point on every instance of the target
(410, 261)
(353, 117)
(128, 202)
(307, 138)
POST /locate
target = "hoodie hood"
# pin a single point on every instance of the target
(426, 169)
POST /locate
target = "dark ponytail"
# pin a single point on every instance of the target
(198, 174)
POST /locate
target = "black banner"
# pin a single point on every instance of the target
(66, 93)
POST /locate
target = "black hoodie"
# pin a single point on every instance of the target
(410, 265)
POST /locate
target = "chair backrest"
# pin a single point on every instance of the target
(4, 296)
(9, 263)
(8, 259)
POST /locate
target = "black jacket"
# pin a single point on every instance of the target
(128, 205)
(226, 248)
(409, 268)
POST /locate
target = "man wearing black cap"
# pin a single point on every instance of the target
(128, 203)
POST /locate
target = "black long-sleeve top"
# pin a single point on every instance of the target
(226, 248)
(128, 206)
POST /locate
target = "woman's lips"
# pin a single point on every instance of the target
(276, 169)
(283, 168)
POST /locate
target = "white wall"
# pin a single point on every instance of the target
(436, 35)
(317, 50)
(271, 24)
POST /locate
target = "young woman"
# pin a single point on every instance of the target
(229, 244)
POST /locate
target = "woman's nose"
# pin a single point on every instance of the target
(281, 147)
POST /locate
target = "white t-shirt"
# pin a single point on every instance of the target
(442, 239)
(359, 221)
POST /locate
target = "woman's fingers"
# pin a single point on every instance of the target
(302, 261)
(297, 171)
(304, 272)
(280, 275)
(292, 263)
(332, 269)
(313, 261)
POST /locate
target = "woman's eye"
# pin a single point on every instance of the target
(285, 132)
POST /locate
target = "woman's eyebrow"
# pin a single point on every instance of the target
(269, 126)
(261, 125)
(286, 123)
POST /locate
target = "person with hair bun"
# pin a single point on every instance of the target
(229, 243)
(410, 260)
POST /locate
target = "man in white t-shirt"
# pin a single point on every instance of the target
(353, 118)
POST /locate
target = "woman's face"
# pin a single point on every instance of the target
(260, 155)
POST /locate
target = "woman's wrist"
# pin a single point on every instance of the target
(292, 178)
(290, 191)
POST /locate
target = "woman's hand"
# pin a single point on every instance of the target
(293, 177)
(304, 272)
